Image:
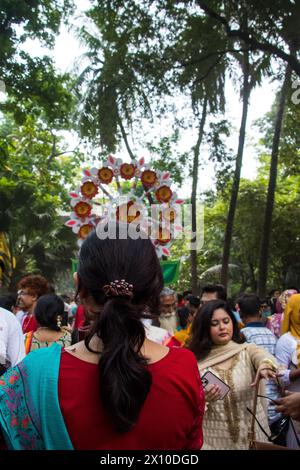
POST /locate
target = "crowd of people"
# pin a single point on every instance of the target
(125, 357)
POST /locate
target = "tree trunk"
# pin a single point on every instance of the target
(267, 226)
(193, 253)
(124, 135)
(237, 173)
(253, 281)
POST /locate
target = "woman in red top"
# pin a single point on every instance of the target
(117, 389)
(127, 391)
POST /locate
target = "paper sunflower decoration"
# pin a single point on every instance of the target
(134, 193)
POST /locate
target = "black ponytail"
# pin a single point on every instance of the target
(125, 382)
(124, 378)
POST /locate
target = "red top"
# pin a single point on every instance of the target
(171, 417)
(79, 317)
(29, 323)
(174, 343)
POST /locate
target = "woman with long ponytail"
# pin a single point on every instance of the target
(116, 389)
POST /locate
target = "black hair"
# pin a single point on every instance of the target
(183, 314)
(124, 378)
(66, 298)
(179, 297)
(218, 288)
(186, 293)
(271, 292)
(249, 305)
(193, 300)
(47, 309)
(231, 303)
(292, 288)
(51, 289)
(264, 301)
(8, 301)
(201, 343)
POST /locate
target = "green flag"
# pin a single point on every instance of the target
(170, 270)
(74, 265)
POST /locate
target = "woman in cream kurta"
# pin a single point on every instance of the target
(227, 422)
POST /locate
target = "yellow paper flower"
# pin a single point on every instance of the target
(122, 212)
(89, 189)
(82, 209)
(85, 230)
(148, 178)
(164, 236)
(169, 214)
(163, 194)
(105, 175)
(127, 171)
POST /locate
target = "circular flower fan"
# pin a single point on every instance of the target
(134, 194)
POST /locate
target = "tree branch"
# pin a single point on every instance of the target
(211, 54)
(248, 38)
(207, 72)
(52, 156)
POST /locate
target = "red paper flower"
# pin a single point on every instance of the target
(148, 178)
(127, 171)
(105, 175)
(82, 209)
(89, 189)
(163, 194)
(85, 230)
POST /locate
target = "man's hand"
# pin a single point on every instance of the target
(289, 405)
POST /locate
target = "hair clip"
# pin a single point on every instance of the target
(59, 321)
(118, 289)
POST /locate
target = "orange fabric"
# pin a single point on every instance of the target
(28, 341)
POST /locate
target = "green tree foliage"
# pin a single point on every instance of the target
(272, 26)
(165, 155)
(33, 197)
(117, 54)
(284, 261)
(141, 53)
(32, 83)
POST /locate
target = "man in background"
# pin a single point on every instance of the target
(213, 292)
(168, 317)
(12, 349)
(255, 332)
(30, 288)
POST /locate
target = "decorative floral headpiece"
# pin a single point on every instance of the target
(142, 188)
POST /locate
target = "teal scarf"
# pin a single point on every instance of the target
(30, 415)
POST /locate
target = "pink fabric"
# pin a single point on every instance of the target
(274, 323)
(278, 306)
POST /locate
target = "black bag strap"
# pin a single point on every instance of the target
(254, 419)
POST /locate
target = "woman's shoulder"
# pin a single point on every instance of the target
(41, 355)
(177, 358)
(184, 354)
